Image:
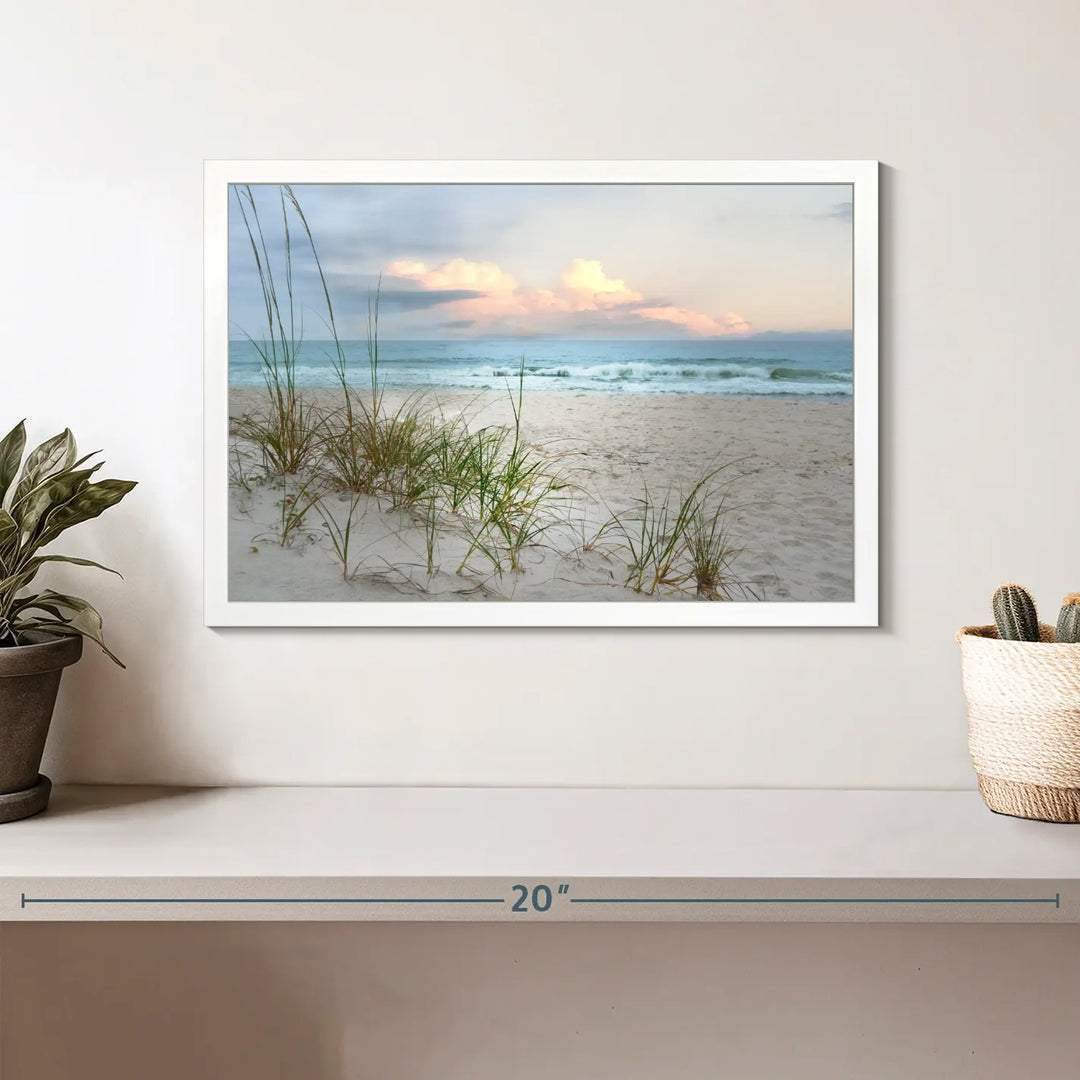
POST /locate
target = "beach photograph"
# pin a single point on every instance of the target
(610, 393)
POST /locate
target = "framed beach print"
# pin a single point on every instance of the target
(541, 393)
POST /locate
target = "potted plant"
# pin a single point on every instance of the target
(1022, 683)
(41, 632)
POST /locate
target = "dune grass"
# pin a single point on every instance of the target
(389, 455)
(712, 551)
(286, 430)
(683, 540)
(298, 499)
(516, 492)
(341, 533)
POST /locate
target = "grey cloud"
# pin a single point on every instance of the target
(841, 211)
(415, 300)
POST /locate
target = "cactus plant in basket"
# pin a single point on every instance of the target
(1022, 683)
(41, 630)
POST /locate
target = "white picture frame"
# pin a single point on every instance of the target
(862, 610)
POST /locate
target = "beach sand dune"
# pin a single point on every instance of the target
(789, 481)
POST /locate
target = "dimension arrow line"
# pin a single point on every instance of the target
(1055, 900)
(24, 900)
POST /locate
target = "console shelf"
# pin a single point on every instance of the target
(504, 854)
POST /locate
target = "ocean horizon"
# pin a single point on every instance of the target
(765, 365)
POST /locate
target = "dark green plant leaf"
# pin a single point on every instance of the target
(50, 494)
(92, 500)
(83, 619)
(52, 456)
(34, 603)
(39, 559)
(75, 604)
(9, 540)
(47, 626)
(11, 452)
(14, 584)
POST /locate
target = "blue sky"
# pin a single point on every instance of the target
(576, 261)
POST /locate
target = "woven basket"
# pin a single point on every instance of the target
(1024, 722)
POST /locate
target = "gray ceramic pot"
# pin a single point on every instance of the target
(29, 681)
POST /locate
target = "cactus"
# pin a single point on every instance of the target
(1068, 624)
(1015, 615)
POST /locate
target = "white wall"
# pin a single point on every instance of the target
(110, 108)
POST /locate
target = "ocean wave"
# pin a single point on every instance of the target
(810, 375)
(631, 372)
(649, 371)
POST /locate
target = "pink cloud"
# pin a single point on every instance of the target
(694, 321)
(584, 287)
(590, 289)
(455, 274)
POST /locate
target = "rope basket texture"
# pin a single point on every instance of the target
(1024, 722)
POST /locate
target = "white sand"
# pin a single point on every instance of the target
(792, 481)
